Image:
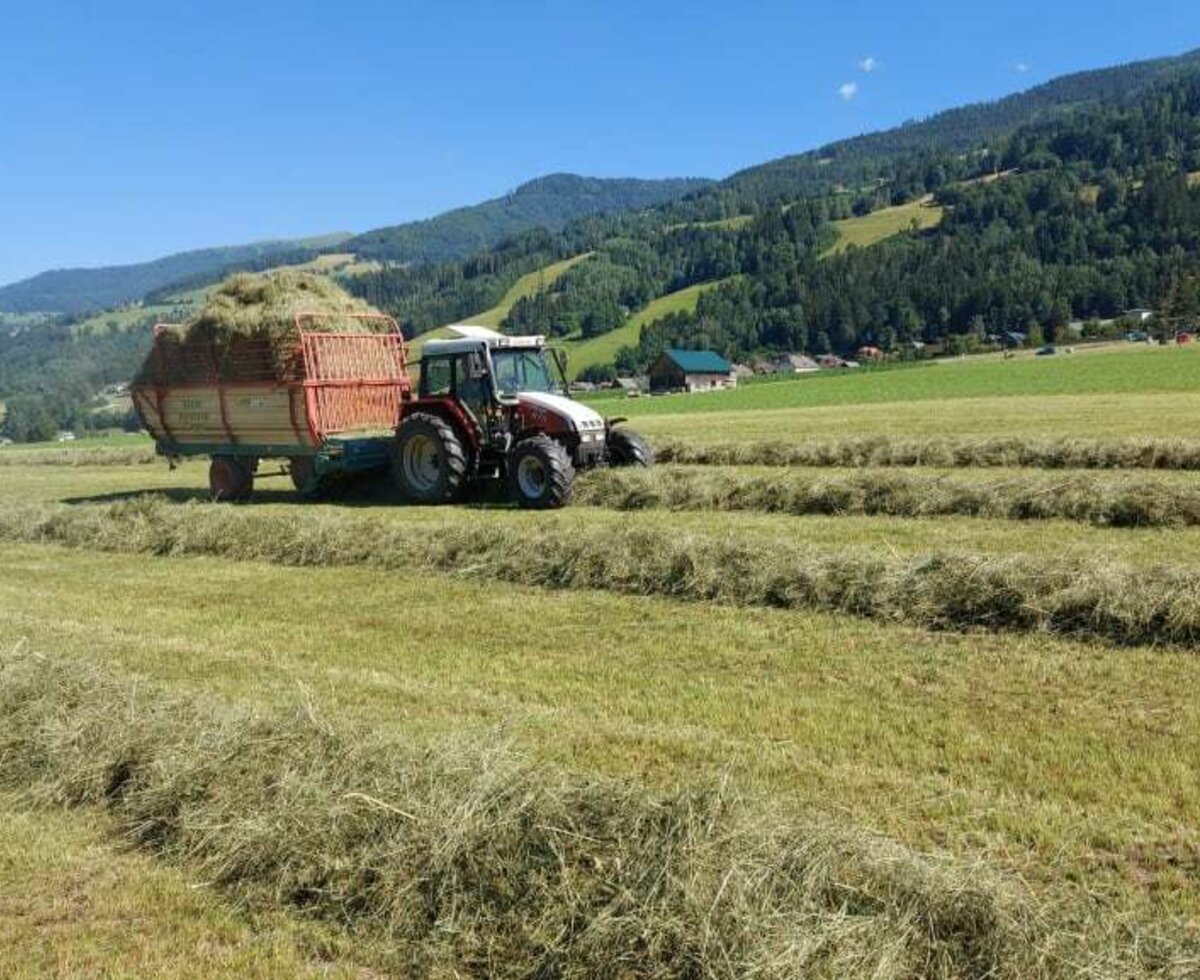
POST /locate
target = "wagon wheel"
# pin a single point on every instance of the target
(304, 476)
(230, 480)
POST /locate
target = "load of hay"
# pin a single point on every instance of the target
(246, 330)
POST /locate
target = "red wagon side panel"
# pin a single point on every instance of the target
(255, 392)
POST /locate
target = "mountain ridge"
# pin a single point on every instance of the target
(90, 289)
(549, 201)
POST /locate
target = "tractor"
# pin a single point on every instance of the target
(495, 409)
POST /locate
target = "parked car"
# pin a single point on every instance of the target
(1046, 351)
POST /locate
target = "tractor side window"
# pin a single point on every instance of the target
(472, 384)
(436, 376)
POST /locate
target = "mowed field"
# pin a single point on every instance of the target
(658, 634)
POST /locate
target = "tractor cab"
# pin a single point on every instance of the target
(504, 403)
(510, 387)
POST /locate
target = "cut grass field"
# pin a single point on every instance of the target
(869, 229)
(1067, 764)
(76, 904)
(1128, 390)
(663, 634)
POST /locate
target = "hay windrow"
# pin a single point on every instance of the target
(98, 456)
(466, 859)
(1119, 501)
(1017, 451)
(246, 329)
(1093, 599)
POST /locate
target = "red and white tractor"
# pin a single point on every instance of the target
(495, 408)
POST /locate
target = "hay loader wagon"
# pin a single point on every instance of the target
(490, 408)
(327, 405)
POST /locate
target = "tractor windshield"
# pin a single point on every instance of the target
(520, 370)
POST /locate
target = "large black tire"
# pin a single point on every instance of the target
(540, 474)
(429, 465)
(230, 479)
(626, 448)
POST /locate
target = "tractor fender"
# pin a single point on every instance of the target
(451, 412)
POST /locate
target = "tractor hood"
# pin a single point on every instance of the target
(580, 417)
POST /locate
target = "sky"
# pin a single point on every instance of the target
(129, 130)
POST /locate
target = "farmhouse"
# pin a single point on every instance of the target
(691, 370)
(796, 364)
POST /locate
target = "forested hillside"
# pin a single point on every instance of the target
(858, 162)
(1082, 216)
(88, 290)
(50, 377)
(549, 202)
(1096, 217)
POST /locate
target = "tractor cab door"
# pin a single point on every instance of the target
(473, 389)
(463, 379)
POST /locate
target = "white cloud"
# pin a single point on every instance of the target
(868, 64)
(848, 91)
(1020, 68)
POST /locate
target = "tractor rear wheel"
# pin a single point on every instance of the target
(230, 479)
(540, 474)
(627, 448)
(429, 465)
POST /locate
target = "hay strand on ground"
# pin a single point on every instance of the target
(93, 456)
(466, 859)
(1018, 451)
(1112, 601)
(1120, 501)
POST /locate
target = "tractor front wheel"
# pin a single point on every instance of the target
(627, 448)
(540, 474)
(429, 465)
(230, 479)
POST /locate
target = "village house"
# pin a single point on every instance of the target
(691, 370)
(796, 364)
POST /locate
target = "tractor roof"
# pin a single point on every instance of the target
(470, 337)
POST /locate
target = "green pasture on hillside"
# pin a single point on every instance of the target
(884, 223)
(602, 349)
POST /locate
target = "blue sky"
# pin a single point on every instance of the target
(130, 130)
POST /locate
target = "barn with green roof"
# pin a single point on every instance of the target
(690, 370)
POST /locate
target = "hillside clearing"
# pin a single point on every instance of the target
(878, 225)
(602, 349)
(527, 285)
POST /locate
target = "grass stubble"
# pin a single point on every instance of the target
(465, 858)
